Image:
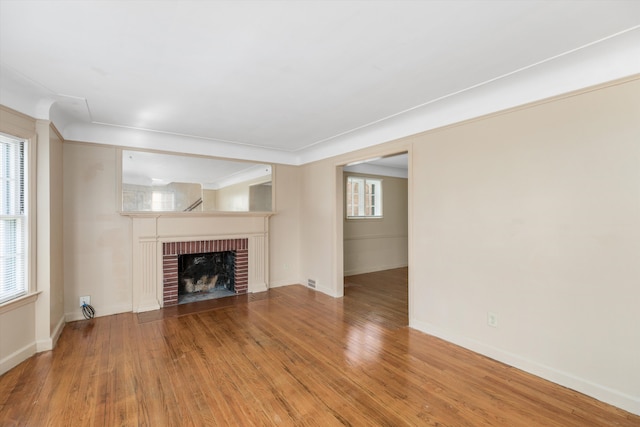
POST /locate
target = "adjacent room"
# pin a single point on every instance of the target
(320, 213)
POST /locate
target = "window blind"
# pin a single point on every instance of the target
(13, 218)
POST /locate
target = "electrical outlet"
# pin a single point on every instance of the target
(85, 299)
(492, 319)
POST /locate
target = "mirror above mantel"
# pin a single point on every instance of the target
(165, 183)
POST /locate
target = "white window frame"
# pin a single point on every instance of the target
(360, 199)
(22, 217)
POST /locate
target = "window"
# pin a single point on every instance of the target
(13, 218)
(364, 197)
(162, 201)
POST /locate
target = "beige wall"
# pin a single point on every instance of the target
(321, 216)
(533, 215)
(235, 197)
(186, 194)
(56, 222)
(209, 200)
(17, 334)
(319, 239)
(50, 276)
(34, 323)
(97, 242)
(379, 243)
(18, 319)
(261, 197)
(284, 228)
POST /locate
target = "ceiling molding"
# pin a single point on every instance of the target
(598, 63)
(281, 112)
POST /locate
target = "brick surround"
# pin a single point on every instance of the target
(171, 251)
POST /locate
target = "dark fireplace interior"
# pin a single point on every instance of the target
(205, 275)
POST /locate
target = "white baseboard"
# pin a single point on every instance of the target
(50, 343)
(58, 331)
(605, 394)
(282, 283)
(322, 289)
(101, 311)
(143, 308)
(372, 269)
(330, 292)
(17, 357)
(257, 287)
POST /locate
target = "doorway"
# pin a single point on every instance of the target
(374, 217)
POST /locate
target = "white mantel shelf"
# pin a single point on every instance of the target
(212, 214)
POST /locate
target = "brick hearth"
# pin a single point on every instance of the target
(171, 251)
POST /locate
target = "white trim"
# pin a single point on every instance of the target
(566, 379)
(378, 170)
(57, 331)
(257, 288)
(173, 238)
(282, 283)
(50, 343)
(147, 307)
(18, 302)
(377, 236)
(374, 269)
(100, 312)
(194, 214)
(323, 289)
(17, 357)
(44, 345)
(612, 58)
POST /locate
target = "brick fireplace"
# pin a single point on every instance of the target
(172, 250)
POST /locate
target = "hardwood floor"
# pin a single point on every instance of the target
(289, 356)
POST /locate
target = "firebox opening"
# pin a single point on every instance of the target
(205, 276)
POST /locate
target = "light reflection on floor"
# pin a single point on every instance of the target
(363, 343)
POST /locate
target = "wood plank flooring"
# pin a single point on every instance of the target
(289, 356)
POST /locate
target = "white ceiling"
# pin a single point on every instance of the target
(293, 82)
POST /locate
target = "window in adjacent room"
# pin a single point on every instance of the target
(364, 197)
(162, 201)
(13, 218)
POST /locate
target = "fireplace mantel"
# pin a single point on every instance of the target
(149, 233)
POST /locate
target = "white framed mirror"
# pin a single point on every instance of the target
(162, 182)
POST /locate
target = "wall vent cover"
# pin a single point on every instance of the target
(311, 283)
